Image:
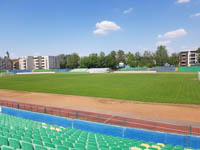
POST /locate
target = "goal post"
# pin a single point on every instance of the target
(198, 75)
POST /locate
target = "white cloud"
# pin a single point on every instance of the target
(184, 1)
(196, 15)
(173, 34)
(104, 27)
(164, 43)
(128, 11)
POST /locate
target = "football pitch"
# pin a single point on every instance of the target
(181, 88)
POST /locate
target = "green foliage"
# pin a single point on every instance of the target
(130, 60)
(161, 56)
(72, 61)
(121, 57)
(174, 59)
(161, 87)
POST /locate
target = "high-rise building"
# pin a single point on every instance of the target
(39, 62)
(188, 58)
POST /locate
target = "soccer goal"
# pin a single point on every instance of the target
(3, 74)
(198, 75)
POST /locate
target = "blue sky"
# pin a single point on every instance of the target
(52, 27)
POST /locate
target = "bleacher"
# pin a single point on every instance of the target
(61, 70)
(98, 70)
(2, 71)
(163, 69)
(43, 70)
(81, 70)
(134, 69)
(19, 71)
(22, 134)
(189, 69)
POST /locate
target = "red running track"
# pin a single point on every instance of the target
(104, 118)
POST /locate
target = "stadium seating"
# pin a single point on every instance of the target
(134, 69)
(43, 70)
(21, 134)
(79, 70)
(61, 70)
(98, 70)
(19, 71)
(189, 69)
(2, 71)
(163, 69)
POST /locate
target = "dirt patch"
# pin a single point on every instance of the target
(157, 111)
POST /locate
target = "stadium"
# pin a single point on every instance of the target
(99, 75)
(33, 120)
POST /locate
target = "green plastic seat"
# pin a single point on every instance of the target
(50, 145)
(39, 147)
(68, 144)
(29, 140)
(14, 143)
(60, 147)
(27, 146)
(56, 142)
(3, 141)
(4, 147)
(17, 137)
(37, 142)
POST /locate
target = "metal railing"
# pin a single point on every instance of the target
(104, 118)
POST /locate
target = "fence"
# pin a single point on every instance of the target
(104, 118)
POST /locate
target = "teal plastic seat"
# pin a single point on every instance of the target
(27, 146)
(3, 141)
(60, 147)
(37, 142)
(39, 147)
(4, 147)
(50, 145)
(14, 143)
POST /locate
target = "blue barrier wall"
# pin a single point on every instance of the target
(99, 128)
(118, 131)
(19, 71)
(62, 70)
(50, 119)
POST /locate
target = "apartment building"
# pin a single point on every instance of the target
(39, 62)
(188, 58)
(26, 62)
(15, 64)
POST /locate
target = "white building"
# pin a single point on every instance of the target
(188, 58)
(39, 62)
(26, 62)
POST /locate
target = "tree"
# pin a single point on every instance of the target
(146, 59)
(62, 61)
(121, 56)
(101, 60)
(161, 56)
(72, 60)
(174, 59)
(137, 58)
(111, 61)
(84, 62)
(130, 59)
(93, 61)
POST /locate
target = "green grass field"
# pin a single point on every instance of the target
(162, 87)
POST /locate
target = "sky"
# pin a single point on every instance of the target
(53, 27)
